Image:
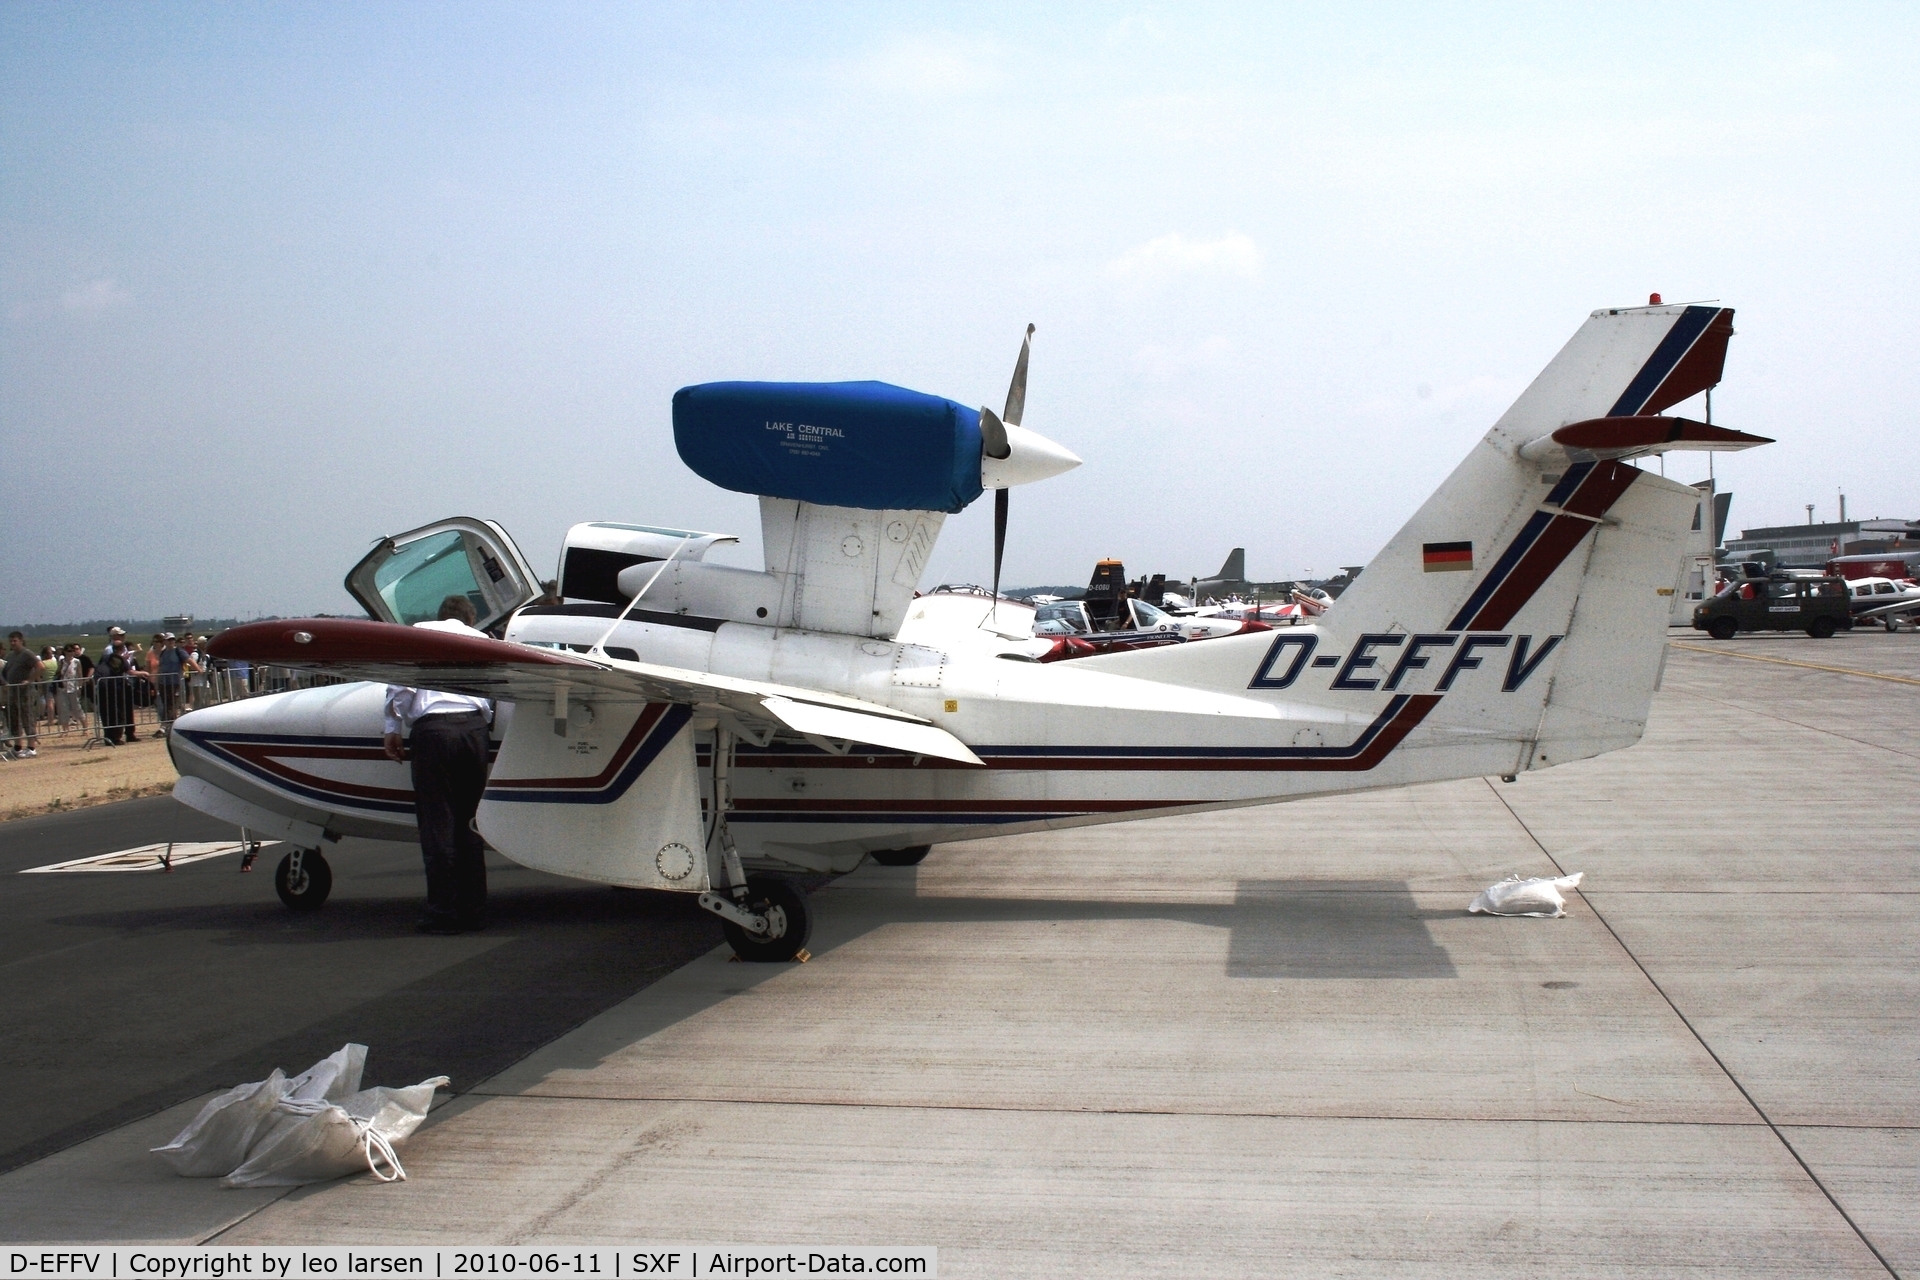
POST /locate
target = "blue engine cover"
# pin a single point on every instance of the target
(840, 444)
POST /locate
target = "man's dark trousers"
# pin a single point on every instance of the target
(115, 704)
(449, 755)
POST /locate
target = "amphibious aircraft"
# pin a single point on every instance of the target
(700, 728)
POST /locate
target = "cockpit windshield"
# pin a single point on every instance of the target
(1061, 618)
(1146, 617)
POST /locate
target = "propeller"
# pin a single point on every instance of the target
(994, 444)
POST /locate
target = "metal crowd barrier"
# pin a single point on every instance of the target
(116, 709)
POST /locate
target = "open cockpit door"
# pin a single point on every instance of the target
(407, 577)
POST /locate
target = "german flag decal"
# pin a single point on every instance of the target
(1446, 557)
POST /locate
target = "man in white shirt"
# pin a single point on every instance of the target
(446, 739)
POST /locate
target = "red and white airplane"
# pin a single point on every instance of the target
(692, 727)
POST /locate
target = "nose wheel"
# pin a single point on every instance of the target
(303, 880)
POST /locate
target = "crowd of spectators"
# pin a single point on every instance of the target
(57, 690)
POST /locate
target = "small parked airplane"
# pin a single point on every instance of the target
(1884, 600)
(1113, 606)
(673, 723)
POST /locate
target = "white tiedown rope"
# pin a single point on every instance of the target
(374, 1144)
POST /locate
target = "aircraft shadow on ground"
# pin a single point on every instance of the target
(1292, 930)
(360, 918)
(1299, 929)
(555, 956)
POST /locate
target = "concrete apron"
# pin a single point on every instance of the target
(1260, 1042)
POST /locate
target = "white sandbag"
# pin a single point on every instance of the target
(231, 1125)
(217, 1139)
(334, 1077)
(317, 1140)
(1541, 896)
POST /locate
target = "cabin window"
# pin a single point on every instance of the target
(1067, 617)
(422, 574)
(1145, 616)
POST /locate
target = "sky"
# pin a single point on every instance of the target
(277, 280)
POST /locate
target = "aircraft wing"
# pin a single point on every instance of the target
(479, 666)
(1892, 609)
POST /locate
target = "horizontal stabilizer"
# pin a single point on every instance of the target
(1637, 436)
(833, 723)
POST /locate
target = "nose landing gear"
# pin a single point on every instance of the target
(303, 880)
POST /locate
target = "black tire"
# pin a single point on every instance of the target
(902, 857)
(1820, 628)
(308, 890)
(781, 899)
(1722, 628)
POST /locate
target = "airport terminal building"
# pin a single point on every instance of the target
(1810, 546)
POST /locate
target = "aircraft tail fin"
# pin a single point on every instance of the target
(1235, 569)
(1519, 617)
(1106, 589)
(1532, 590)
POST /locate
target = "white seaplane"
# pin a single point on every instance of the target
(691, 727)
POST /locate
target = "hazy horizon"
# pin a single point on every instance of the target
(278, 280)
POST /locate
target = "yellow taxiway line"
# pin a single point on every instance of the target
(1791, 662)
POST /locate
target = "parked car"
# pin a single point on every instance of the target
(1817, 604)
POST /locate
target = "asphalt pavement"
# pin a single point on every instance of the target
(1255, 1042)
(124, 993)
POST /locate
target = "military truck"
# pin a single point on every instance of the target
(1815, 603)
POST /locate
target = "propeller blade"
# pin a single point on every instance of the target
(999, 539)
(1017, 391)
(993, 435)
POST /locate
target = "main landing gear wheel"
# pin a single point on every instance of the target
(1820, 628)
(902, 857)
(1722, 628)
(303, 880)
(789, 922)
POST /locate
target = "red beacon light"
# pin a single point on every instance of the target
(1653, 299)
